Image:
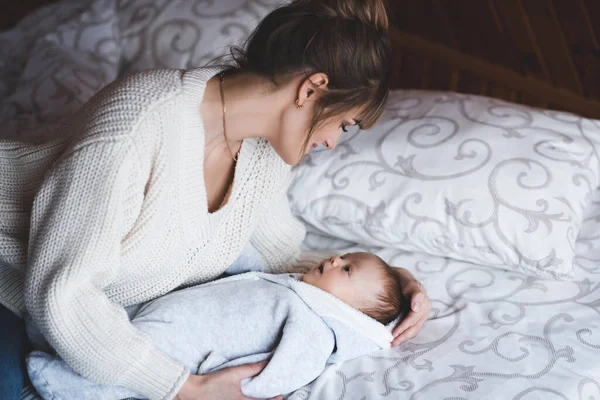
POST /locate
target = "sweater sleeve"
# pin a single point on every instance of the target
(278, 236)
(75, 237)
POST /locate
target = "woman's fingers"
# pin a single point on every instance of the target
(415, 316)
(250, 370)
(417, 300)
(406, 335)
(272, 398)
(411, 319)
(409, 333)
(412, 323)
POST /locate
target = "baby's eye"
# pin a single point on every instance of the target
(344, 127)
(347, 269)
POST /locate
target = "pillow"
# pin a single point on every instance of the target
(185, 34)
(55, 69)
(467, 177)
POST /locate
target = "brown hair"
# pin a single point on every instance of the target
(390, 302)
(345, 39)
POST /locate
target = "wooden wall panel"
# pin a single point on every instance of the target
(522, 42)
(500, 91)
(439, 76)
(543, 52)
(469, 83)
(465, 67)
(592, 10)
(414, 70)
(552, 42)
(538, 101)
(476, 30)
(425, 18)
(581, 41)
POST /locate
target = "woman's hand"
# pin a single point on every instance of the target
(223, 385)
(420, 306)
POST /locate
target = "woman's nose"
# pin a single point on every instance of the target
(331, 144)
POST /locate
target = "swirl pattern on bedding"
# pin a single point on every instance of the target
(493, 334)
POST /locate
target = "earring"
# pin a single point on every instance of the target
(298, 105)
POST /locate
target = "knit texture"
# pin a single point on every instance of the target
(114, 213)
(298, 327)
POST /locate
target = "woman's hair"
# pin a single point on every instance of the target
(345, 39)
(390, 302)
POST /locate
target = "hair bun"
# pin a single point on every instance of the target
(372, 12)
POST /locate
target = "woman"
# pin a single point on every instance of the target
(162, 179)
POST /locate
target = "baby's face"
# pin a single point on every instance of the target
(354, 278)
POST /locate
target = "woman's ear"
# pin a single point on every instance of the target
(312, 87)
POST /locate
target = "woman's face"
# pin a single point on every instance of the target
(295, 125)
(292, 145)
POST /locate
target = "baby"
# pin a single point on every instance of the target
(363, 281)
(338, 310)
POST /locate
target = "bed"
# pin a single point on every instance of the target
(494, 333)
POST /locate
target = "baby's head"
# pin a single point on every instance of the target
(362, 280)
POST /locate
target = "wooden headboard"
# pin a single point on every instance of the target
(543, 53)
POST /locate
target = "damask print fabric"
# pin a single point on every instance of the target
(57, 58)
(472, 178)
(494, 333)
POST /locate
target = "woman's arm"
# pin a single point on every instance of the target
(74, 253)
(278, 236)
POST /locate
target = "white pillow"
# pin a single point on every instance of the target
(468, 177)
(186, 34)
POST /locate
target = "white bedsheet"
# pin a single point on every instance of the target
(493, 335)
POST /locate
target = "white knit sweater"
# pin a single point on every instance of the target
(114, 213)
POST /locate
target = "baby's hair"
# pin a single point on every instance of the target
(390, 302)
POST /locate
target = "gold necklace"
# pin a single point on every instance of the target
(225, 122)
